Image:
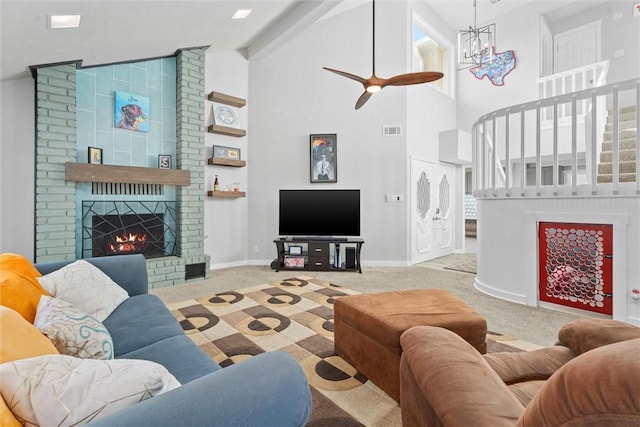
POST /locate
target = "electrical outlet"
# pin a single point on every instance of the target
(256, 249)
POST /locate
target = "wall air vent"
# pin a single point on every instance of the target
(395, 130)
(195, 271)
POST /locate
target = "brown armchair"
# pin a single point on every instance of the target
(590, 378)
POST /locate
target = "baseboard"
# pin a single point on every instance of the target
(499, 293)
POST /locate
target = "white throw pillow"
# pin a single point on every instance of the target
(85, 286)
(61, 390)
(73, 331)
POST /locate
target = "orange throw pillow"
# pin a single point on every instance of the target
(19, 265)
(19, 287)
(20, 339)
(20, 294)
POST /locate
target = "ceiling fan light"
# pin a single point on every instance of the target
(373, 88)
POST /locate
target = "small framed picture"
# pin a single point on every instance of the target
(164, 161)
(95, 155)
(226, 152)
(324, 158)
(295, 250)
(225, 115)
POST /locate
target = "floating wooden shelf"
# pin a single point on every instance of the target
(226, 194)
(226, 162)
(226, 130)
(226, 99)
(89, 172)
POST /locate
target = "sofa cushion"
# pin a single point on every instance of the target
(64, 390)
(72, 331)
(20, 339)
(139, 321)
(85, 286)
(597, 388)
(185, 360)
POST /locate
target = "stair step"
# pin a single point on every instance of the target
(630, 115)
(623, 156)
(623, 177)
(623, 134)
(623, 167)
(624, 144)
(623, 125)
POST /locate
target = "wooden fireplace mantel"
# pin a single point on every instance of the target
(88, 172)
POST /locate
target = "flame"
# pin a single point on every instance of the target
(128, 242)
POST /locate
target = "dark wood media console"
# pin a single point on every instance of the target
(319, 254)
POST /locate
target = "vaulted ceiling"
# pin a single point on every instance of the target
(117, 30)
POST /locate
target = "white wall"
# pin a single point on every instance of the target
(17, 167)
(518, 31)
(295, 97)
(618, 34)
(225, 225)
(510, 227)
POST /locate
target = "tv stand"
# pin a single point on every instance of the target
(318, 253)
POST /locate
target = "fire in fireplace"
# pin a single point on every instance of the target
(128, 234)
(111, 227)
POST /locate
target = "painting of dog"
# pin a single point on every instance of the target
(131, 112)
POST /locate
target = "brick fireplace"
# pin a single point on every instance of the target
(59, 199)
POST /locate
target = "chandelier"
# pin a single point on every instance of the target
(476, 45)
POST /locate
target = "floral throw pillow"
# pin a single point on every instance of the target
(73, 331)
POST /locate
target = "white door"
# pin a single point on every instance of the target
(577, 47)
(432, 210)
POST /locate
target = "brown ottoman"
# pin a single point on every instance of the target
(367, 328)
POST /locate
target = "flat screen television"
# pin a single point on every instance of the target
(319, 213)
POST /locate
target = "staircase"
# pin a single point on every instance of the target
(627, 150)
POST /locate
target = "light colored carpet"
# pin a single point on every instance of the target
(296, 316)
(530, 324)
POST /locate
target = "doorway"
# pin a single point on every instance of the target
(577, 47)
(432, 210)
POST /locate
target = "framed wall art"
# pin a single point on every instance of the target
(95, 155)
(225, 115)
(131, 111)
(222, 152)
(164, 161)
(324, 159)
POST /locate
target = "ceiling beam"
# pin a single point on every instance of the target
(301, 17)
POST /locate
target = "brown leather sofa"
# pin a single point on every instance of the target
(591, 377)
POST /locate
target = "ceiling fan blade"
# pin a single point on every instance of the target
(363, 98)
(347, 75)
(413, 78)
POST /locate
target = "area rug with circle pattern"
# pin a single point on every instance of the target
(294, 315)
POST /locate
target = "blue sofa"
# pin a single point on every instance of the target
(266, 390)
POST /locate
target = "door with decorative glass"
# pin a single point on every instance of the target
(432, 210)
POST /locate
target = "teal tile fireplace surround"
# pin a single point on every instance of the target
(75, 110)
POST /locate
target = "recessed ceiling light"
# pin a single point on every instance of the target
(64, 21)
(241, 14)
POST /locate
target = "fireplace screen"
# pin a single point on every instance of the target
(120, 227)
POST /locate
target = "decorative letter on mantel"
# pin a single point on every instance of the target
(497, 69)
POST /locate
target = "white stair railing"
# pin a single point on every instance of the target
(514, 134)
(574, 80)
